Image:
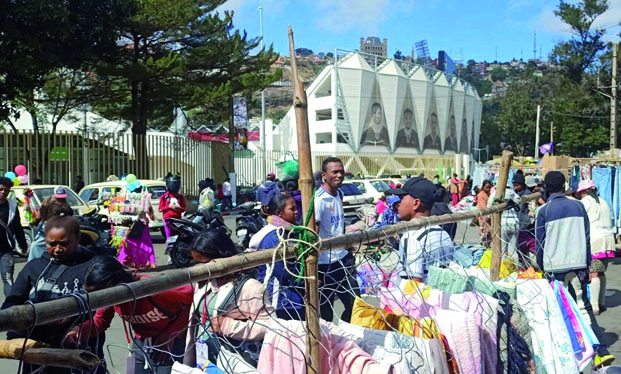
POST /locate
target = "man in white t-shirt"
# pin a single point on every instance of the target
(227, 201)
(337, 267)
(428, 246)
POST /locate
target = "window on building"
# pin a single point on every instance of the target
(341, 139)
(325, 89)
(323, 114)
(323, 138)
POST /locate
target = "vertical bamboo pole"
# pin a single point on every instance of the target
(503, 177)
(306, 186)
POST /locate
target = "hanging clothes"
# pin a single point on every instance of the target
(602, 177)
(284, 351)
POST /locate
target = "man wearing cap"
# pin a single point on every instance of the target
(268, 190)
(60, 194)
(419, 249)
(514, 221)
(563, 247)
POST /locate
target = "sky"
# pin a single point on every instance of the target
(466, 29)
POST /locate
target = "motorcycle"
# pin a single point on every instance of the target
(95, 232)
(248, 223)
(179, 246)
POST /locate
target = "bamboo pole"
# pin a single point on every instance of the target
(313, 335)
(63, 358)
(23, 316)
(503, 176)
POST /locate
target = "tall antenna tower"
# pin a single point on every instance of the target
(535, 46)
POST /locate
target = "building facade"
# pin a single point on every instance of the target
(393, 108)
(373, 46)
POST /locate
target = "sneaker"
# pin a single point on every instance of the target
(601, 361)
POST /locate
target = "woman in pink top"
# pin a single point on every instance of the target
(380, 206)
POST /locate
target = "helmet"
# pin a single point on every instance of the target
(173, 183)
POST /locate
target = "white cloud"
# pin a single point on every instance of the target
(361, 15)
(550, 22)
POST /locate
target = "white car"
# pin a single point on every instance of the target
(373, 188)
(92, 194)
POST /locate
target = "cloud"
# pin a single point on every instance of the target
(357, 15)
(548, 21)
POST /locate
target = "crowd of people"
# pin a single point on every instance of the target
(567, 238)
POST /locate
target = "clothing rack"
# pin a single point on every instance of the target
(24, 316)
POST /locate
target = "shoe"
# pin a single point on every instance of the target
(602, 361)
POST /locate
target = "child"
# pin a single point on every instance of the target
(58, 273)
(172, 203)
(158, 321)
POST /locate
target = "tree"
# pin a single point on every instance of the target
(303, 51)
(41, 36)
(179, 55)
(499, 74)
(579, 53)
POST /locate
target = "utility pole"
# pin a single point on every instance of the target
(537, 133)
(552, 136)
(613, 102)
(263, 134)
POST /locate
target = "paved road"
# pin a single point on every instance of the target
(116, 342)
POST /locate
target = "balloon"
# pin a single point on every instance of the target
(21, 170)
(23, 179)
(131, 178)
(10, 175)
(15, 181)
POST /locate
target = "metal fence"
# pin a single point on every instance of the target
(59, 158)
(249, 166)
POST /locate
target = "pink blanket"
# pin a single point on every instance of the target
(284, 352)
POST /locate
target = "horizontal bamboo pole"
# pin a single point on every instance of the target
(23, 316)
(63, 358)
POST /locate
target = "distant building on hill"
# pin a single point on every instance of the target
(373, 46)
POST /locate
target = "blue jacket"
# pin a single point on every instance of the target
(266, 192)
(562, 232)
(286, 294)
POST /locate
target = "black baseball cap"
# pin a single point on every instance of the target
(519, 179)
(419, 188)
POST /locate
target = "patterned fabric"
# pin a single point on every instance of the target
(551, 345)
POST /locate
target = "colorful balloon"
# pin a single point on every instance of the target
(10, 175)
(23, 179)
(15, 181)
(131, 178)
(21, 170)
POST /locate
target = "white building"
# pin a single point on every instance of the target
(394, 108)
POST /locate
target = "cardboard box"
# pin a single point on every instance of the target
(560, 163)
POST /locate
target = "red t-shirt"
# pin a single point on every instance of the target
(165, 205)
(147, 319)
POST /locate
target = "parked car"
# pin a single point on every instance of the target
(352, 200)
(93, 193)
(40, 192)
(374, 188)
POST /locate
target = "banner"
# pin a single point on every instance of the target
(240, 119)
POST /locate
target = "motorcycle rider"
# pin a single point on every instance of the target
(267, 190)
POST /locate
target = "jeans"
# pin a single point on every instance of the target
(7, 268)
(227, 202)
(338, 279)
(155, 365)
(583, 277)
